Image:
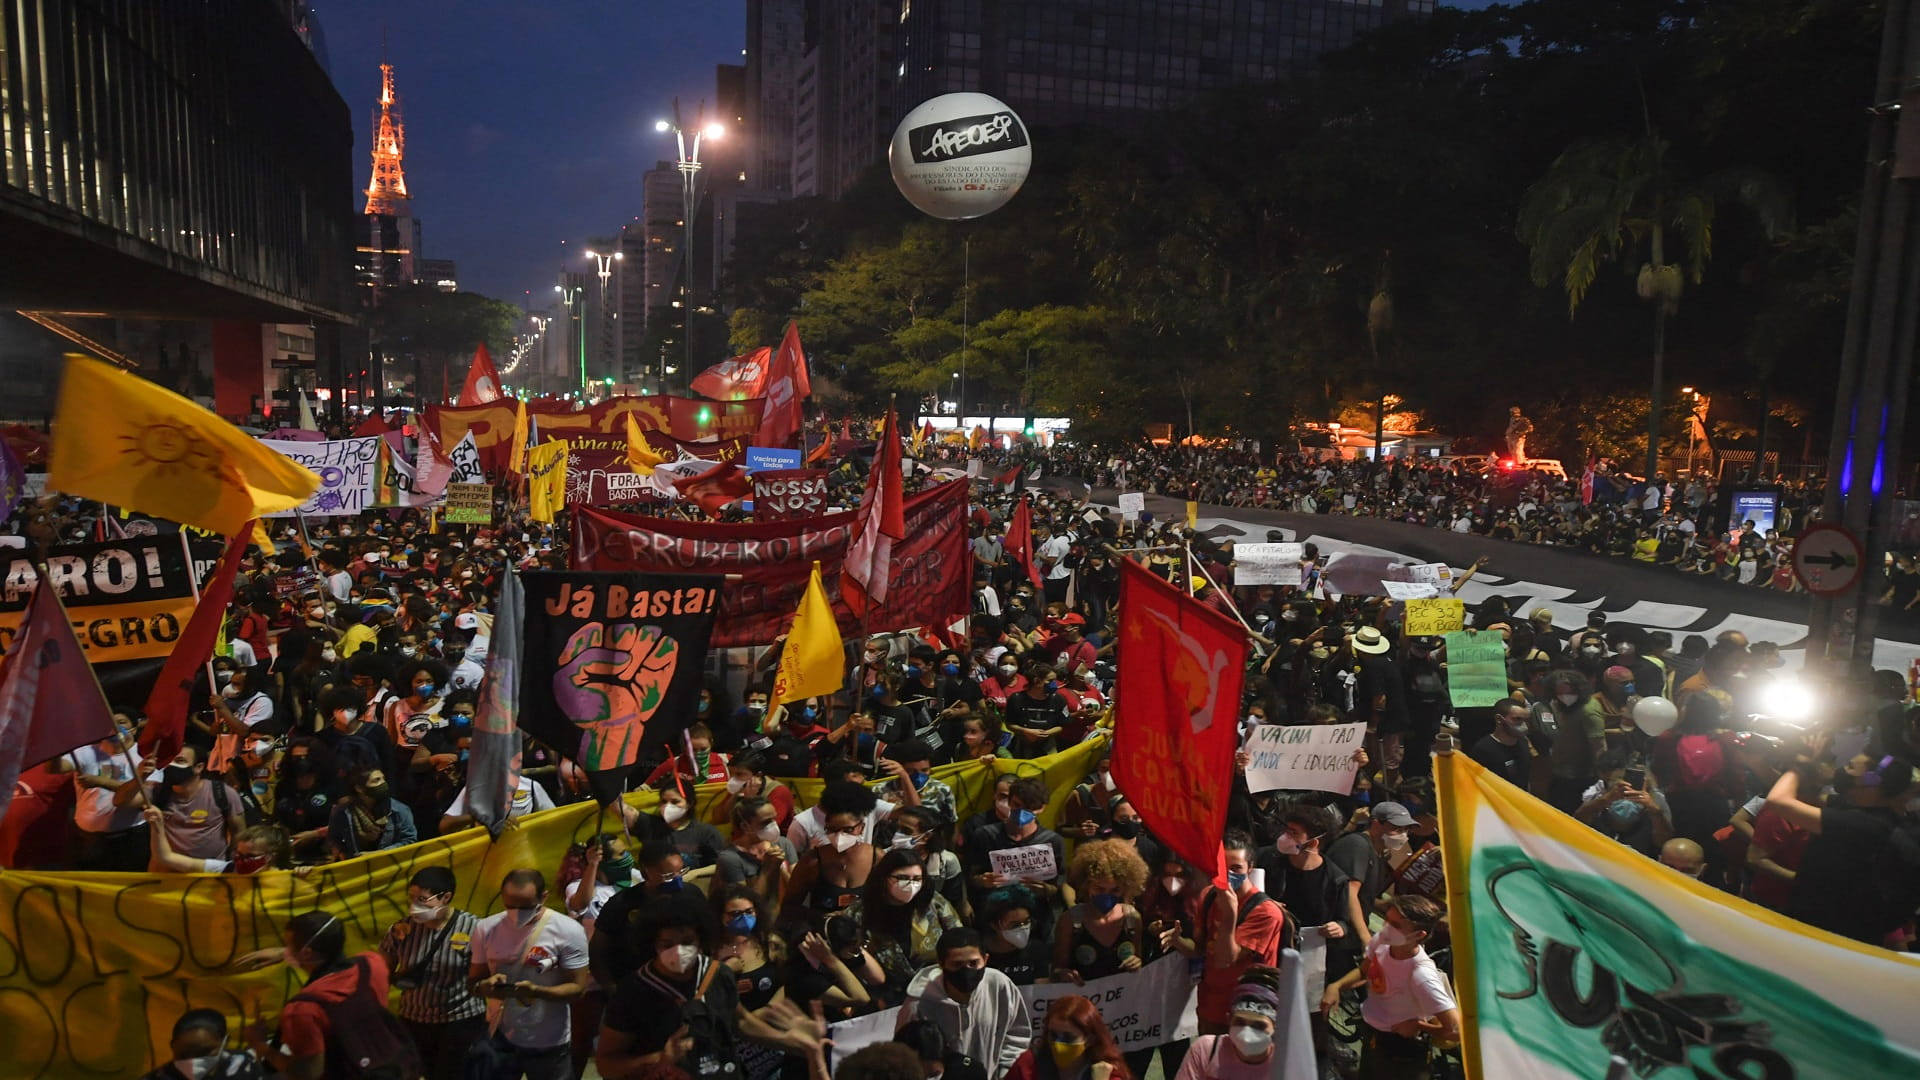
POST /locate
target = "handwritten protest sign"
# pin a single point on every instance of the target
(1303, 757)
(1267, 564)
(1437, 573)
(1409, 590)
(348, 471)
(469, 504)
(1143, 1009)
(1131, 503)
(782, 494)
(1432, 618)
(1476, 668)
(1033, 861)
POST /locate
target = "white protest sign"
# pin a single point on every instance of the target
(1303, 757)
(347, 469)
(1433, 573)
(1131, 504)
(1033, 861)
(1142, 1008)
(1410, 590)
(466, 462)
(1267, 564)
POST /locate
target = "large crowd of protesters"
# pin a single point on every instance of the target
(718, 940)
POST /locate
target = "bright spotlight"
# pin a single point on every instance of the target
(662, 125)
(715, 130)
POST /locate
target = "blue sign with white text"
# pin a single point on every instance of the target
(763, 457)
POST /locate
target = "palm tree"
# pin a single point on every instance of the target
(1602, 200)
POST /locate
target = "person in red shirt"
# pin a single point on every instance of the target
(1241, 927)
(342, 995)
(1773, 858)
(1068, 648)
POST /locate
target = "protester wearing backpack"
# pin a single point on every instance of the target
(338, 1028)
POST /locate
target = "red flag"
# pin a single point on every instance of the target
(863, 581)
(483, 383)
(786, 387)
(374, 424)
(171, 699)
(715, 488)
(1182, 665)
(737, 379)
(1019, 545)
(49, 700)
(820, 452)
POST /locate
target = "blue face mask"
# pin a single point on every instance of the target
(920, 780)
(1625, 814)
(462, 720)
(1627, 689)
(425, 689)
(1021, 818)
(1236, 880)
(809, 712)
(863, 740)
(1105, 902)
(950, 670)
(673, 884)
(877, 693)
(915, 672)
(1053, 686)
(743, 923)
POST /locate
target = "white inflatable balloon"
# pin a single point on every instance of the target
(960, 156)
(1655, 715)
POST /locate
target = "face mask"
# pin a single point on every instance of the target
(250, 864)
(1627, 689)
(260, 749)
(1567, 699)
(409, 651)
(1002, 806)
(1285, 844)
(1105, 902)
(809, 712)
(425, 913)
(950, 670)
(1518, 727)
(843, 841)
(1236, 880)
(1066, 1053)
(346, 716)
(1252, 1042)
(966, 980)
(705, 706)
(736, 785)
(525, 916)
(903, 891)
(196, 1068)
(375, 791)
(1008, 671)
(1126, 830)
(864, 740)
(1625, 813)
(229, 691)
(620, 866)
(743, 923)
(1020, 818)
(1173, 885)
(1393, 935)
(176, 775)
(680, 959)
(1053, 686)
(672, 812)
(915, 672)
(920, 780)
(770, 831)
(671, 884)
(1018, 936)
(329, 656)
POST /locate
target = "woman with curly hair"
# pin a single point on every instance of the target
(1077, 1046)
(1101, 935)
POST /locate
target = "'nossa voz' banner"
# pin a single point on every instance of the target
(612, 664)
(128, 599)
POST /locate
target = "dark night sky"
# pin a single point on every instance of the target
(529, 122)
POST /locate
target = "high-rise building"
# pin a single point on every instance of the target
(776, 40)
(391, 243)
(662, 218)
(1105, 62)
(844, 96)
(630, 300)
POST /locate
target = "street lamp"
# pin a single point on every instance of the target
(689, 165)
(570, 296)
(606, 268)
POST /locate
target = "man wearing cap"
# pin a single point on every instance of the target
(1380, 697)
(1362, 857)
(1069, 647)
(471, 671)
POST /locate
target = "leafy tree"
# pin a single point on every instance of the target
(432, 334)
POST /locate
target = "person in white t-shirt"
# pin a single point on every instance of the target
(111, 836)
(528, 798)
(1408, 998)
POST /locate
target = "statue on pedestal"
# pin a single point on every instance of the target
(1518, 428)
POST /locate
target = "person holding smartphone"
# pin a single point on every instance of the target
(1626, 804)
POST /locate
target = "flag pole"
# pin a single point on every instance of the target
(1227, 596)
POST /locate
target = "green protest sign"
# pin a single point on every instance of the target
(1476, 668)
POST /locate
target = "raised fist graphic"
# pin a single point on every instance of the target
(610, 682)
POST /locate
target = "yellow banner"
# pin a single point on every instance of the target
(95, 968)
(547, 480)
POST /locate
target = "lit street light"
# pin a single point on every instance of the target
(606, 268)
(689, 165)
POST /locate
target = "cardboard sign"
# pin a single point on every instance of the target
(1033, 861)
(1267, 564)
(348, 471)
(1303, 757)
(297, 580)
(1437, 574)
(469, 504)
(1132, 502)
(1432, 618)
(1476, 668)
(1410, 590)
(784, 494)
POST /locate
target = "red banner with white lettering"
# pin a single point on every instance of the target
(688, 419)
(786, 494)
(1176, 712)
(930, 585)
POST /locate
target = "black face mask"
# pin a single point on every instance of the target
(1126, 830)
(176, 775)
(966, 980)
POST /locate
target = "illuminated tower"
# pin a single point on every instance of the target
(389, 251)
(387, 191)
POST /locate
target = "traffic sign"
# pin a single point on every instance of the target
(1827, 559)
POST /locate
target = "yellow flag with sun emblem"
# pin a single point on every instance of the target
(120, 439)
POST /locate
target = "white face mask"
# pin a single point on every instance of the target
(736, 785)
(229, 691)
(842, 841)
(196, 1068)
(408, 650)
(1392, 935)
(1173, 885)
(904, 891)
(425, 913)
(348, 716)
(770, 831)
(1567, 699)
(672, 812)
(328, 656)
(1395, 840)
(1018, 936)
(680, 959)
(1251, 1041)
(1285, 844)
